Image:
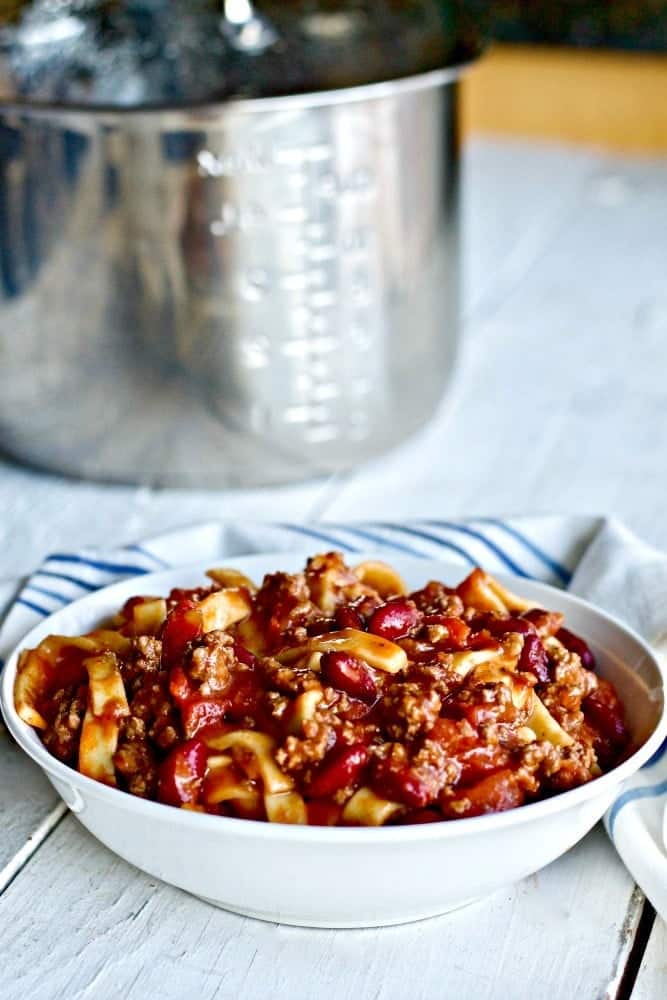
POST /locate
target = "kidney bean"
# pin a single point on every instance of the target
(499, 627)
(340, 769)
(347, 617)
(244, 655)
(196, 713)
(347, 673)
(604, 710)
(534, 659)
(182, 773)
(576, 644)
(401, 785)
(394, 619)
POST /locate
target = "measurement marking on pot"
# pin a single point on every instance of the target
(318, 435)
(318, 324)
(238, 218)
(298, 155)
(245, 161)
(322, 252)
(292, 214)
(321, 393)
(317, 230)
(306, 414)
(293, 282)
(311, 345)
(295, 348)
(323, 300)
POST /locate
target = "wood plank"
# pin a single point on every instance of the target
(27, 804)
(651, 982)
(127, 935)
(609, 99)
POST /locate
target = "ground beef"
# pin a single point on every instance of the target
(299, 752)
(409, 709)
(287, 680)
(484, 705)
(437, 674)
(571, 683)
(569, 767)
(211, 662)
(144, 658)
(436, 599)
(135, 761)
(152, 705)
(147, 651)
(62, 736)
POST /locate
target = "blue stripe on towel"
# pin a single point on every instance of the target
(428, 537)
(106, 567)
(491, 545)
(388, 543)
(561, 571)
(84, 584)
(320, 535)
(63, 598)
(149, 555)
(633, 795)
(37, 608)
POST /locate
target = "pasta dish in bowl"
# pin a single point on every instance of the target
(283, 717)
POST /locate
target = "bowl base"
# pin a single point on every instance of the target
(358, 924)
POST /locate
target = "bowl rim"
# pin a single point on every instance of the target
(28, 740)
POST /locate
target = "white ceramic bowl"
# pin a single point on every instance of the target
(336, 877)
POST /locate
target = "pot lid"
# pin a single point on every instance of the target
(177, 53)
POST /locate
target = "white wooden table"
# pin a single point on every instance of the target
(559, 405)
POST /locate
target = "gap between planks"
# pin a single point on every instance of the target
(634, 938)
(32, 844)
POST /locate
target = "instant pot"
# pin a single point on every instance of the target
(229, 233)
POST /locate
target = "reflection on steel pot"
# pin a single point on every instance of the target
(237, 293)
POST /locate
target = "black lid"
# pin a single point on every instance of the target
(177, 53)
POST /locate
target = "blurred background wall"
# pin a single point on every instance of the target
(574, 70)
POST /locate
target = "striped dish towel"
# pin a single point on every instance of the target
(596, 558)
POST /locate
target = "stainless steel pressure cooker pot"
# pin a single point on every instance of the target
(249, 285)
